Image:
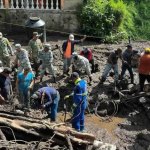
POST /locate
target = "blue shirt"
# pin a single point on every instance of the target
(24, 82)
(50, 94)
(5, 83)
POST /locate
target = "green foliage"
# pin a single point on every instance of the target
(115, 19)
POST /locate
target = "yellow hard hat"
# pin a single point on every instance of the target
(147, 50)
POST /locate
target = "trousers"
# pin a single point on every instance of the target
(5, 60)
(52, 109)
(78, 117)
(67, 64)
(25, 97)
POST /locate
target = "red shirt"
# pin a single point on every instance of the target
(144, 67)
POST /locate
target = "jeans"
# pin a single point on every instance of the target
(142, 79)
(126, 67)
(108, 67)
(67, 63)
(93, 66)
(25, 97)
(52, 108)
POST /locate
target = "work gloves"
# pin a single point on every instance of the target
(73, 108)
(67, 96)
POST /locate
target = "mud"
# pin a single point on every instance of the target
(122, 129)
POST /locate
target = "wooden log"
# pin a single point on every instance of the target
(69, 142)
(2, 136)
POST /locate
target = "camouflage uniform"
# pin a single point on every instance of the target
(22, 57)
(35, 48)
(4, 53)
(47, 59)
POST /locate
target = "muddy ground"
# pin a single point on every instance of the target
(124, 128)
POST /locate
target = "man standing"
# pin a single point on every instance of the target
(48, 98)
(126, 65)
(35, 45)
(144, 68)
(68, 49)
(24, 83)
(22, 60)
(80, 100)
(80, 62)
(112, 63)
(46, 56)
(5, 83)
(4, 53)
(87, 53)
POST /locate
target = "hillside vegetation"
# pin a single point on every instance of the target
(116, 19)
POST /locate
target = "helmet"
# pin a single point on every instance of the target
(74, 54)
(147, 50)
(71, 37)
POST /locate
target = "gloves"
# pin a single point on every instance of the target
(67, 96)
(73, 107)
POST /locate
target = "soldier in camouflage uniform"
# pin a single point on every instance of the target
(4, 53)
(46, 56)
(22, 59)
(35, 46)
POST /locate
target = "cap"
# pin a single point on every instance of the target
(36, 95)
(35, 34)
(71, 37)
(74, 75)
(47, 46)
(7, 70)
(147, 50)
(85, 48)
(1, 35)
(129, 45)
(1, 69)
(74, 54)
(17, 46)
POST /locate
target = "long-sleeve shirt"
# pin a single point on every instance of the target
(127, 55)
(80, 63)
(80, 92)
(64, 46)
(50, 93)
(22, 56)
(87, 55)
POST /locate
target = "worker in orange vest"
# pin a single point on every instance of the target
(68, 49)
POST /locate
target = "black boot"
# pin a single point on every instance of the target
(132, 79)
(54, 79)
(90, 79)
(41, 80)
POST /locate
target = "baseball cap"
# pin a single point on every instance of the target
(48, 46)
(74, 54)
(36, 95)
(1, 35)
(35, 34)
(85, 48)
(129, 45)
(17, 46)
(74, 75)
(7, 70)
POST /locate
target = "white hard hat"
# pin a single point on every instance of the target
(71, 37)
(0, 62)
(74, 54)
(34, 96)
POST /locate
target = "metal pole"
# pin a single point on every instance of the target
(44, 36)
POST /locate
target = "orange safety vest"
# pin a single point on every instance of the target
(67, 53)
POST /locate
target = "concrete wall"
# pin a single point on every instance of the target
(65, 21)
(71, 4)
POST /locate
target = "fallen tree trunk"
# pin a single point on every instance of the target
(29, 129)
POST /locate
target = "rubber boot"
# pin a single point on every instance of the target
(41, 81)
(132, 79)
(90, 79)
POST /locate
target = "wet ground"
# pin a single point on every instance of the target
(122, 129)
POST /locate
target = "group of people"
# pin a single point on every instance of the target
(42, 58)
(130, 59)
